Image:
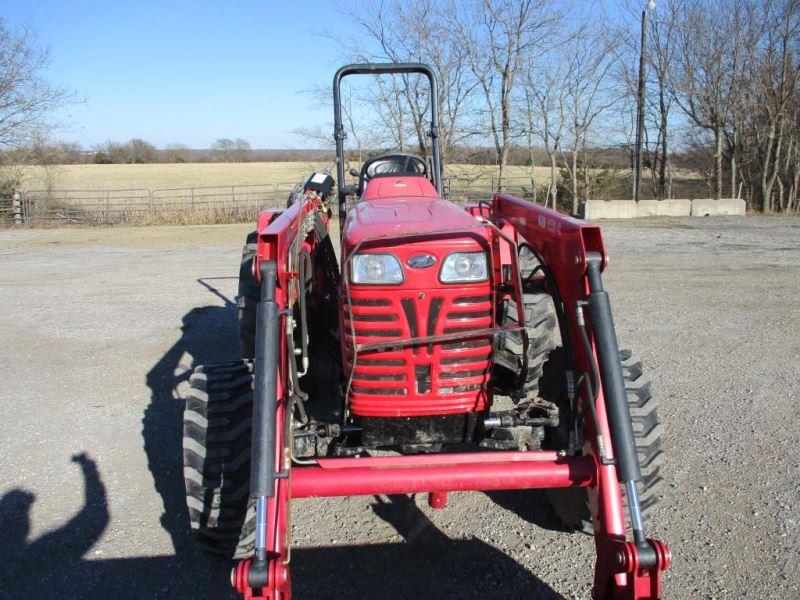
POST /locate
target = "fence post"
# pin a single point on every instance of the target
(17, 206)
(192, 190)
(108, 206)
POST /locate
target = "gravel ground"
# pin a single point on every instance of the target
(100, 327)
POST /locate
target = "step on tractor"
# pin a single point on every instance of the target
(444, 348)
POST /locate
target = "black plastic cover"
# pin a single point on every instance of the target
(322, 183)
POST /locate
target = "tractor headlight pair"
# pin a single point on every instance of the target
(458, 267)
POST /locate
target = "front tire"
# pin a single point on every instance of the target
(216, 458)
(571, 505)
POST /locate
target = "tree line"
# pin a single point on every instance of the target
(560, 81)
(139, 151)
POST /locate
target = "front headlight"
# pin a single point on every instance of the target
(376, 269)
(463, 267)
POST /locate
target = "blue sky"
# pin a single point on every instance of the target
(188, 72)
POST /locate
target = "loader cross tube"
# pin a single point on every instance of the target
(338, 127)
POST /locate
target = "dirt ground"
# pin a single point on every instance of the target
(100, 327)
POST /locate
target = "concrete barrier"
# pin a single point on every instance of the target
(608, 209)
(708, 207)
(592, 210)
(664, 208)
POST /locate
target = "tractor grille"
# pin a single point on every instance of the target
(430, 379)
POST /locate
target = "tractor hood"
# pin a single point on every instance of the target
(400, 215)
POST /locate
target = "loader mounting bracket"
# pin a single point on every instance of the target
(622, 559)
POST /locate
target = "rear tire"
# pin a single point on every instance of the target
(571, 505)
(216, 458)
(540, 324)
(248, 298)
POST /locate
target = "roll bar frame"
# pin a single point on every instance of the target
(338, 128)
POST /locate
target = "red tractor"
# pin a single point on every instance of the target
(449, 348)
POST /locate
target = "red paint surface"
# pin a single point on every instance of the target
(455, 476)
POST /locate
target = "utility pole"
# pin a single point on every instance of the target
(637, 179)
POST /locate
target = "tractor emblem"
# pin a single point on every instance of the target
(421, 261)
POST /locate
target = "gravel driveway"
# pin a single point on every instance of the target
(100, 327)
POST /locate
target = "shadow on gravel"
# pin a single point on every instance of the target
(54, 565)
(428, 565)
(529, 505)
(208, 334)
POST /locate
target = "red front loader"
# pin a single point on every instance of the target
(449, 348)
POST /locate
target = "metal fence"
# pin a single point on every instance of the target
(132, 206)
(462, 190)
(193, 204)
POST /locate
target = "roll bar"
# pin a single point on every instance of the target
(338, 128)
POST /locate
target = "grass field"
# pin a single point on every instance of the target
(157, 176)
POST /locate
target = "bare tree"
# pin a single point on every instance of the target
(241, 150)
(140, 151)
(361, 135)
(222, 150)
(777, 75)
(500, 35)
(661, 54)
(27, 100)
(415, 31)
(709, 69)
(589, 55)
(545, 101)
(176, 153)
(135, 151)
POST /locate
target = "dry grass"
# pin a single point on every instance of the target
(158, 176)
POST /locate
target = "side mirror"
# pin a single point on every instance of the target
(354, 173)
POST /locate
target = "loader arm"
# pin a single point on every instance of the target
(574, 253)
